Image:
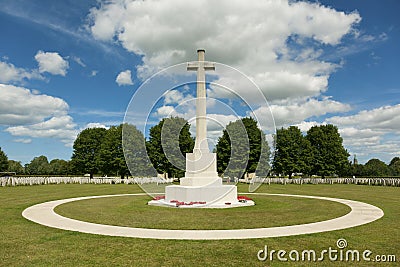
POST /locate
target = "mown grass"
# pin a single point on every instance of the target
(270, 211)
(24, 243)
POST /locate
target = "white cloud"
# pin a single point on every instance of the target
(371, 132)
(31, 114)
(10, 73)
(304, 126)
(52, 63)
(385, 118)
(177, 97)
(79, 61)
(62, 128)
(296, 113)
(19, 106)
(278, 44)
(124, 78)
(95, 125)
(165, 111)
(173, 97)
(250, 35)
(23, 140)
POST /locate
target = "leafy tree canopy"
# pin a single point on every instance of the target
(242, 148)
(394, 165)
(135, 153)
(59, 167)
(15, 166)
(3, 161)
(329, 155)
(293, 152)
(168, 143)
(376, 167)
(38, 166)
(86, 147)
(111, 159)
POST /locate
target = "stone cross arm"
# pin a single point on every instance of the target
(194, 66)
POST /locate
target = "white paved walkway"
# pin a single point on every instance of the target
(361, 213)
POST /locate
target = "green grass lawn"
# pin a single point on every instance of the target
(24, 243)
(270, 211)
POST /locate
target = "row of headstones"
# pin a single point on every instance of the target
(362, 181)
(16, 181)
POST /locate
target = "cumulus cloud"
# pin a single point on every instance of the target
(278, 44)
(251, 35)
(62, 128)
(296, 113)
(10, 73)
(95, 125)
(31, 114)
(166, 111)
(374, 131)
(124, 78)
(19, 105)
(23, 140)
(385, 118)
(304, 126)
(52, 63)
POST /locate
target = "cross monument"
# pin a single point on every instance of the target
(201, 184)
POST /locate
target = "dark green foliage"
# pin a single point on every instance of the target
(168, 143)
(3, 161)
(329, 155)
(135, 152)
(358, 170)
(394, 166)
(38, 166)
(86, 147)
(242, 148)
(15, 166)
(59, 167)
(110, 158)
(293, 152)
(233, 150)
(376, 167)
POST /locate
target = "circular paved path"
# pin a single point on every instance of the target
(361, 213)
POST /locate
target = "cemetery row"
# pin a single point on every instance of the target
(16, 181)
(300, 181)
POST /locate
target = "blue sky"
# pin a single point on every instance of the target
(68, 65)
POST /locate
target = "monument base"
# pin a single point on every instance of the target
(213, 196)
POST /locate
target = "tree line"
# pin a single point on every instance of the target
(321, 152)
(241, 149)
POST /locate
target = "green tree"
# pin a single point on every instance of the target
(15, 166)
(59, 167)
(358, 170)
(376, 167)
(233, 150)
(3, 161)
(168, 143)
(86, 147)
(330, 157)
(134, 145)
(111, 159)
(394, 165)
(242, 148)
(293, 152)
(38, 166)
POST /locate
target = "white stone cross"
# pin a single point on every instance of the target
(201, 67)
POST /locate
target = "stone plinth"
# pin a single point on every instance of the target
(209, 194)
(201, 182)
